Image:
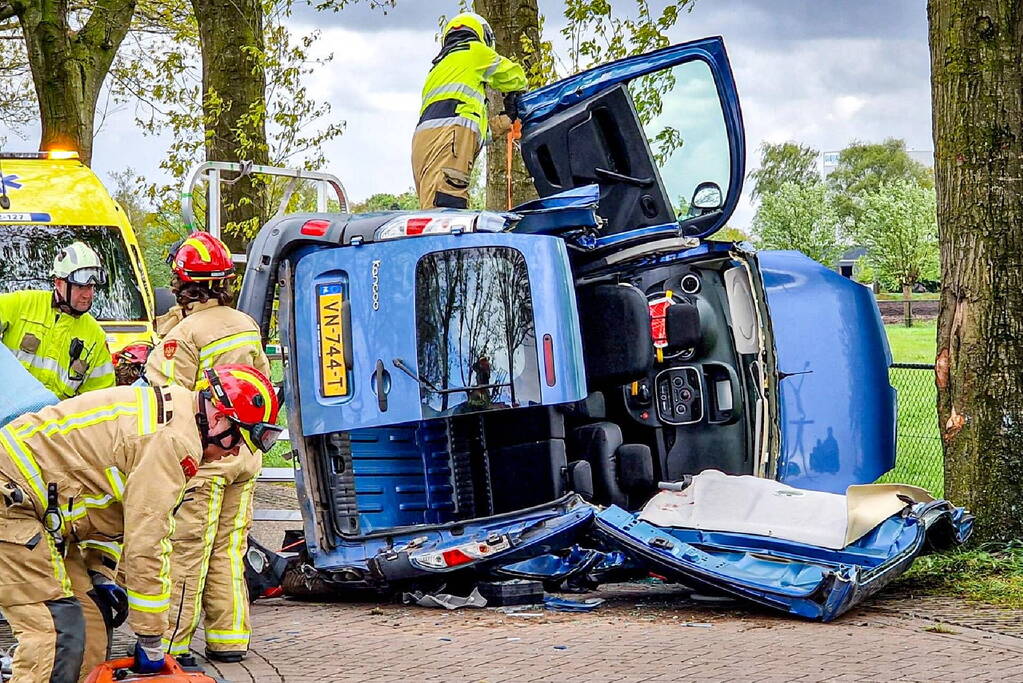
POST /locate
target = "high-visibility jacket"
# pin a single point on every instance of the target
(43, 338)
(123, 455)
(208, 334)
(454, 90)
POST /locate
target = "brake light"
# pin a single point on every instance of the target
(412, 226)
(455, 557)
(315, 228)
(462, 554)
(548, 360)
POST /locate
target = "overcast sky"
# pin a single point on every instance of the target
(820, 72)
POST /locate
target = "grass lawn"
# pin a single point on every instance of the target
(991, 574)
(918, 451)
(275, 458)
(915, 344)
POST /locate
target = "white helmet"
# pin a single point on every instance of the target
(79, 265)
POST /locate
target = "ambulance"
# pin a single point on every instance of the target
(51, 199)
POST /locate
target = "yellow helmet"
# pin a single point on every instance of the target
(473, 22)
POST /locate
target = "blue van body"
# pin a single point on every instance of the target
(475, 394)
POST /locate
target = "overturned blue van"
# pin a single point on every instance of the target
(474, 394)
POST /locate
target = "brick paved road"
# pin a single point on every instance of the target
(652, 635)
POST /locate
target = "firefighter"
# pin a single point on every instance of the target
(73, 474)
(213, 523)
(52, 333)
(453, 118)
(130, 361)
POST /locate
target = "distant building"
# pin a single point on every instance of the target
(829, 160)
(847, 261)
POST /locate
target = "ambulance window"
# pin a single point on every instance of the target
(475, 331)
(26, 260)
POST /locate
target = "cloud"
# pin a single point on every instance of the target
(821, 72)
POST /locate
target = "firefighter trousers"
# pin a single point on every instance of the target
(47, 600)
(207, 567)
(442, 160)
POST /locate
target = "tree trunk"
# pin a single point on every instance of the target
(977, 88)
(907, 304)
(68, 67)
(511, 20)
(234, 106)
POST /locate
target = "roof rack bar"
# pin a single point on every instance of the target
(212, 172)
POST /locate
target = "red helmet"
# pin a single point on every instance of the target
(133, 353)
(201, 257)
(247, 398)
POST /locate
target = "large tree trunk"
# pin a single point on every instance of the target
(234, 106)
(511, 20)
(977, 85)
(68, 67)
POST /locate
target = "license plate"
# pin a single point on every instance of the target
(333, 373)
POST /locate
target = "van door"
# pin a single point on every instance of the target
(434, 326)
(656, 132)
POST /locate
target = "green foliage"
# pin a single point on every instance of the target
(897, 224)
(160, 72)
(783, 163)
(155, 236)
(800, 217)
(596, 34)
(991, 573)
(406, 201)
(730, 234)
(863, 167)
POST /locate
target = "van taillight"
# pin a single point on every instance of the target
(548, 360)
(315, 228)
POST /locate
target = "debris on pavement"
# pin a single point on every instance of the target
(444, 600)
(565, 605)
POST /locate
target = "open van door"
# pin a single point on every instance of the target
(660, 134)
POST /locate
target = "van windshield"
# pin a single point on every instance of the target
(26, 260)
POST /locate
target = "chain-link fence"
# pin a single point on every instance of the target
(918, 455)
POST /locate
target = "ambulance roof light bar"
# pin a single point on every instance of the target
(52, 154)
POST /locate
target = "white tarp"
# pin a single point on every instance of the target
(750, 505)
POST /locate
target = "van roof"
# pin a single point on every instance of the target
(59, 191)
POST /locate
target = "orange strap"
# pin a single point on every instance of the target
(514, 134)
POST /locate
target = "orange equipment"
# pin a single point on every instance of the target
(119, 671)
(514, 134)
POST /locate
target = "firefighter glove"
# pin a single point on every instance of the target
(511, 105)
(148, 655)
(111, 598)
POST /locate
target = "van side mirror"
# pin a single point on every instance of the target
(707, 197)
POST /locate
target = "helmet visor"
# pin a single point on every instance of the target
(488, 35)
(261, 436)
(93, 275)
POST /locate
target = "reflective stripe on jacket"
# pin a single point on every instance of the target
(209, 334)
(117, 454)
(454, 93)
(42, 337)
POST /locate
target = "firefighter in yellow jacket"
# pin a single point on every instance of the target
(72, 474)
(51, 331)
(453, 118)
(213, 523)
